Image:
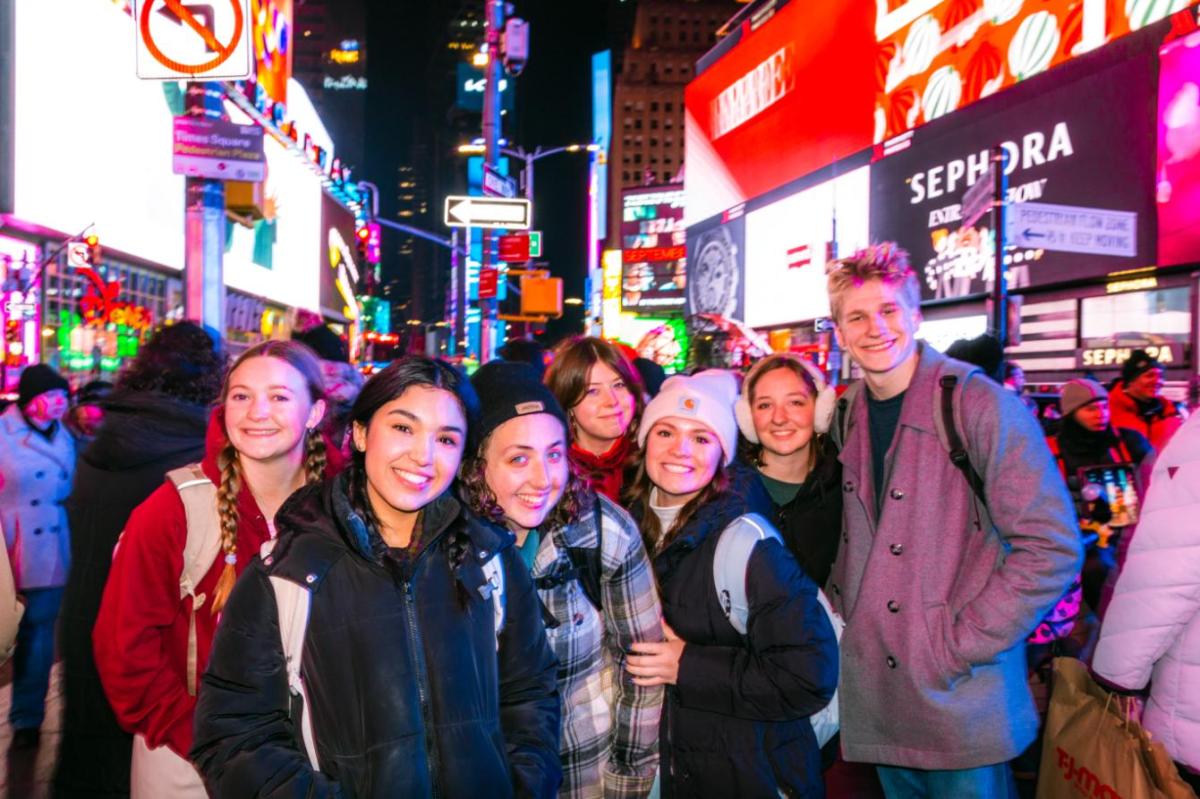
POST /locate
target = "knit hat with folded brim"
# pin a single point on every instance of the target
(1077, 393)
(707, 398)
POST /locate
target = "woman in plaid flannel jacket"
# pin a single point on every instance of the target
(518, 475)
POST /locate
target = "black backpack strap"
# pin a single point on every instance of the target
(584, 568)
(958, 449)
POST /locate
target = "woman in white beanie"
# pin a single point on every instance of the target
(740, 686)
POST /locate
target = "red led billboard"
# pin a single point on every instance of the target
(789, 98)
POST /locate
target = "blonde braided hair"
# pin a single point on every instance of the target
(316, 456)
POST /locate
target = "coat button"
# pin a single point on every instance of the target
(896, 549)
(835, 588)
(848, 487)
(897, 494)
(893, 606)
(62, 475)
(891, 661)
(484, 554)
(310, 579)
(37, 531)
(39, 474)
(36, 502)
(56, 528)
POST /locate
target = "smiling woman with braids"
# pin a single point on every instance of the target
(162, 600)
(423, 667)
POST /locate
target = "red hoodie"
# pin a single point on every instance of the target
(141, 634)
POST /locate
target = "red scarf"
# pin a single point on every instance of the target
(605, 473)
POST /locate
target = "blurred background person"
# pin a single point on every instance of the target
(602, 394)
(37, 461)
(342, 381)
(1138, 402)
(154, 421)
(525, 350)
(653, 376)
(87, 412)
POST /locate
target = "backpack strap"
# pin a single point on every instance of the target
(958, 449)
(731, 561)
(585, 565)
(837, 430)
(292, 604)
(200, 549)
(493, 573)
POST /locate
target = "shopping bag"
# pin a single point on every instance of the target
(1094, 748)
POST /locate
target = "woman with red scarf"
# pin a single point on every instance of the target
(602, 393)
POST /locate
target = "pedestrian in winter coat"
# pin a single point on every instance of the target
(602, 393)
(1138, 404)
(939, 589)
(420, 674)
(37, 460)
(784, 412)
(592, 573)
(736, 712)
(155, 627)
(154, 422)
(1151, 633)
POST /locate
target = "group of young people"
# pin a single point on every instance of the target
(514, 585)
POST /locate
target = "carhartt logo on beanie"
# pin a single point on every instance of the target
(707, 397)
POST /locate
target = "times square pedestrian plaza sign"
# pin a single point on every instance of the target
(185, 40)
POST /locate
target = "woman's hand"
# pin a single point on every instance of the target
(656, 663)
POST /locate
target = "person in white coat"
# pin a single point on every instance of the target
(1151, 633)
(37, 461)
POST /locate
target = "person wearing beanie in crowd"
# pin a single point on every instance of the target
(946, 566)
(154, 421)
(1087, 438)
(602, 394)
(37, 462)
(736, 713)
(592, 574)
(1137, 402)
(653, 376)
(342, 381)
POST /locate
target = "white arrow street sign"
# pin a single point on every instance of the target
(491, 212)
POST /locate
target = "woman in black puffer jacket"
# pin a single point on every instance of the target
(736, 713)
(410, 688)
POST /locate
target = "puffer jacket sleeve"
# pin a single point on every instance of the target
(1158, 593)
(530, 715)
(1033, 514)
(789, 668)
(632, 613)
(245, 743)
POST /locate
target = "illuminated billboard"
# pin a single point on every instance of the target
(792, 96)
(654, 252)
(932, 58)
(789, 241)
(1177, 187)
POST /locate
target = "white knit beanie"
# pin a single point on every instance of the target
(826, 399)
(707, 397)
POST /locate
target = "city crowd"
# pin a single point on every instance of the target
(270, 579)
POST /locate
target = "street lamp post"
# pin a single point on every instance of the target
(521, 154)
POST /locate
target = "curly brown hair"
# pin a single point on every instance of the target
(472, 479)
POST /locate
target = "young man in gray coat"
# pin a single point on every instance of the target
(939, 585)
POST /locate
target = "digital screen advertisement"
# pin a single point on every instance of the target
(790, 97)
(716, 273)
(1177, 188)
(789, 242)
(654, 253)
(1080, 188)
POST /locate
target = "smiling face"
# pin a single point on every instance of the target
(877, 326)
(1147, 385)
(682, 457)
(782, 407)
(268, 410)
(606, 410)
(527, 468)
(412, 446)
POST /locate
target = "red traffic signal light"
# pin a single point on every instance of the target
(363, 234)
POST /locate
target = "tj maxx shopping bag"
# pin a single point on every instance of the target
(1092, 749)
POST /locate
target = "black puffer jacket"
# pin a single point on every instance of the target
(811, 524)
(736, 723)
(408, 694)
(144, 436)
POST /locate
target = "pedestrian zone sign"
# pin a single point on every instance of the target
(186, 40)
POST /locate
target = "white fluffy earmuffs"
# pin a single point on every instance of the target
(826, 400)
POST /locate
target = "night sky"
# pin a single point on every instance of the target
(553, 108)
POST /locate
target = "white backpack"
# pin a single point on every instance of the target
(730, 564)
(292, 602)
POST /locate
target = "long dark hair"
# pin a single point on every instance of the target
(637, 496)
(386, 386)
(180, 360)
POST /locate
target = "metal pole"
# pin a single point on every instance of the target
(204, 228)
(491, 142)
(999, 281)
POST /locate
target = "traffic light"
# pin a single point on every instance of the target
(94, 252)
(362, 238)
